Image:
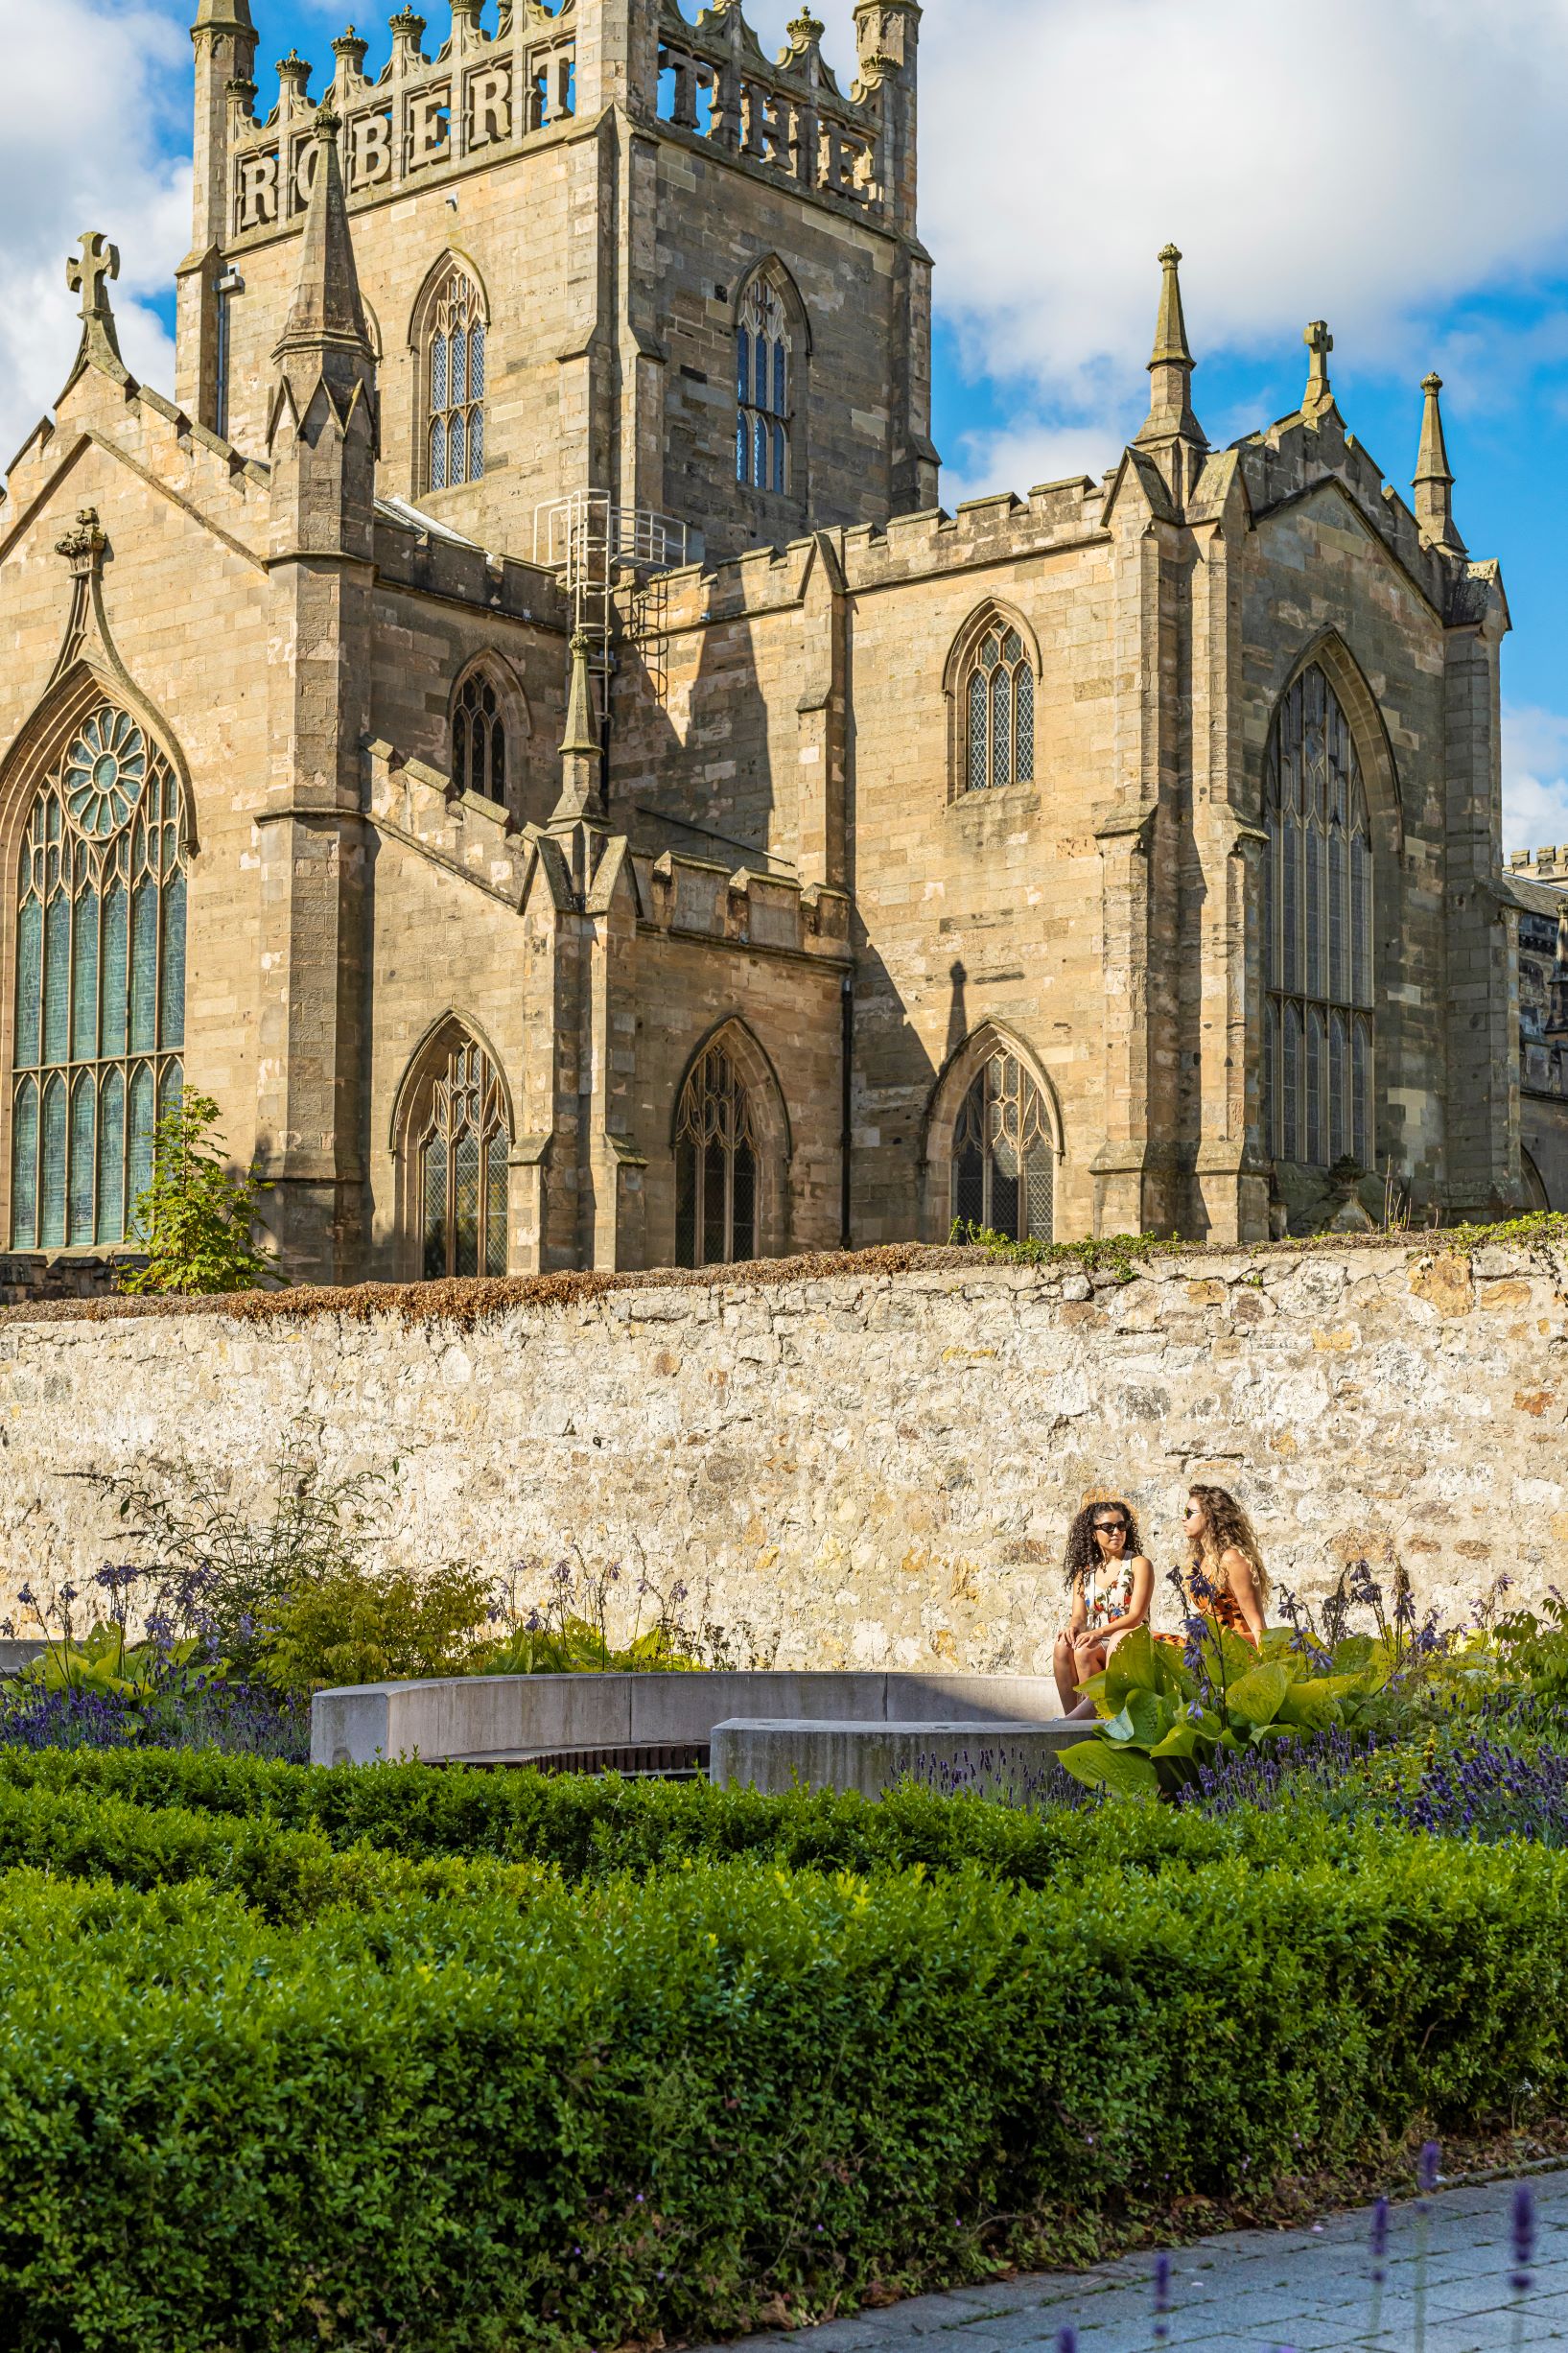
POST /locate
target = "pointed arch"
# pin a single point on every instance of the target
(993, 1096)
(1331, 653)
(991, 683)
(451, 1132)
(95, 839)
(772, 379)
(449, 334)
(1320, 886)
(730, 1146)
(488, 722)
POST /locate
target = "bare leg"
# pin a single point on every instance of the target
(1064, 1666)
(1087, 1659)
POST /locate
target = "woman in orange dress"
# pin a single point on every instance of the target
(1112, 1582)
(1225, 1578)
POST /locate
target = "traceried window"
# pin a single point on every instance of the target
(100, 986)
(454, 386)
(479, 740)
(998, 706)
(716, 1167)
(461, 1158)
(762, 389)
(1317, 936)
(1003, 1161)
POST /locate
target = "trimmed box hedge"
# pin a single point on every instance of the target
(531, 2114)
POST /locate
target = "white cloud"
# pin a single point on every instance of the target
(88, 130)
(1534, 778)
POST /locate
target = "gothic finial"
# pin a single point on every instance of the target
(407, 30)
(582, 792)
(223, 16)
(1170, 327)
(581, 727)
(83, 545)
(87, 276)
(1170, 416)
(326, 313)
(1319, 394)
(350, 49)
(804, 28)
(1434, 479)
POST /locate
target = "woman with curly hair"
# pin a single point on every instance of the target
(1112, 1582)
(1225, 1578)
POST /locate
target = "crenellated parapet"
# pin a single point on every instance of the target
(481, 95)
(785, 115)
(701, 899)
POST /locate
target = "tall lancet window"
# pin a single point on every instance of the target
(715, 1167)
(454, 384)
(762, 389)
(461, 1156)
(479, 738)
(100, 986)
(1317, 936)
(998, 711)
(1004, 1162)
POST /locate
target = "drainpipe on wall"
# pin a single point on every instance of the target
(846, 1003)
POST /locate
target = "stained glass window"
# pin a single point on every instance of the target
(999, 706)
(454, 379)
(479, 740)
(99, 1022)
(460, 1173)
(1004, 1162)
(1316, 935)
(762, 375)
(715, 1167)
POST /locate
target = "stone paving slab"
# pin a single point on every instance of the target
(1253, 2291)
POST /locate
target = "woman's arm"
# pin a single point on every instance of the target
(1138, 1607)
(1244, 1589)
(1079, 1611)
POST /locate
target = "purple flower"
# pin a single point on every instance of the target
(1427, 2165)
(1524, 2237)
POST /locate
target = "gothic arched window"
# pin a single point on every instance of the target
(460, 1161)
(997, 702)
(1003, 1161)
(100, 986)
(715, 1167)
(454, 386)
(762, 389)
(1317, 936)
(479, 740)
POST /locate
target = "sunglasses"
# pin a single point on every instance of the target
(1108, 1527)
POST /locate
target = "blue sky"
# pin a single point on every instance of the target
(1395, 166)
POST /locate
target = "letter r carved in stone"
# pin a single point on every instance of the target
(258, 190)
(489, 107)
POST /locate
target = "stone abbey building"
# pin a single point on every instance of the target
(517, 728)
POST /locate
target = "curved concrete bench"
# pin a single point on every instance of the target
(1013, 1762)
(522, 1719)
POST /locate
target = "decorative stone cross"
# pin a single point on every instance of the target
(1320, 344)
(100, 260)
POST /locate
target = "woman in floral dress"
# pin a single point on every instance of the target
(1112, 1581)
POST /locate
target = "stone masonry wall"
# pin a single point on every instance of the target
(872, 1466)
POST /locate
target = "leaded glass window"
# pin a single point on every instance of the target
(99, 1021)
(454, 380)
(1318, 1024)
(715, 1167)
(999, 706)
(761, 384)
(479, 740)
(1003, 1161)
(460, 1169)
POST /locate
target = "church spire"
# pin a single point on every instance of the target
(1434, 481)
(1170, 418)
(326, 315)
(581, 791)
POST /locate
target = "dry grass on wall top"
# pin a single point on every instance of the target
(465, 1303)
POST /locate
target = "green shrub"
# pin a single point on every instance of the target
(567, 2117)
(198, 1222)
(354, 1625)
(590, 1828)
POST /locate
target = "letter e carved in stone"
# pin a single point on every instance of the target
(427, 128)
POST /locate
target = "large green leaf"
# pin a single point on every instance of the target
(1145, 1717)
(1121, 1770)
(1256, 1696)
(1183, 1739)
(1141, 1664)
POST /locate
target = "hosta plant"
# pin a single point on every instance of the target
(1167, 1714)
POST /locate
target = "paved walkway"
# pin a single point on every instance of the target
(1256, 2291)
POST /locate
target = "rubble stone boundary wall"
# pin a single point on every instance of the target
(867, 1467)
